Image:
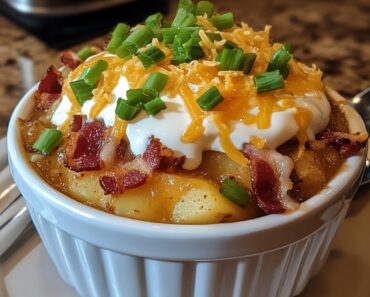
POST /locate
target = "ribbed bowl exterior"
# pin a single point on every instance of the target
(96, 272)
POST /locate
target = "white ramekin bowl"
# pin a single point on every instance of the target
(102, 255)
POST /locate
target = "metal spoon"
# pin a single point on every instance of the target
(361, 102)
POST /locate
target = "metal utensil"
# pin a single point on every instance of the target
(361, 103)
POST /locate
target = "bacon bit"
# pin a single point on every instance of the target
(270, 172)
(49, 89)
(121, 182)
(346, 144)
(84, 147)
(152, 155)
(70, 59)
(171, 164)
(77, 122)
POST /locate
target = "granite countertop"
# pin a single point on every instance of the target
(335, 35)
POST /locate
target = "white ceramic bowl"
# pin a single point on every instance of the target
(102, 255)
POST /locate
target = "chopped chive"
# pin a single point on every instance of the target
(151, 56)
(139, 38)
(289, 47)
(154, 22)
(169, 35)
(269, 81)
(81, 90)
(248, 62)
(224, 21)
(230, 44)
(186, 51)
(185, 33)
(156, 82)
(231, 59)
(84, 72)
(138, 97)
(183, 18)
(125, 111)
(84, 53)
(279, 60)
(48, 140)
(213, 36)
(93, 75)
(205, 7)
(210, 99)
(284, 70)
(154, 106)
(188, 5)
(118, 36)
(236, 193)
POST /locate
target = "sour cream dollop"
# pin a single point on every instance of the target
(170, 124)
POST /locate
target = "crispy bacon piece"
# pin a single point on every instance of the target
(346, 144)
(70, 59)
(134, 173)
(84, 147)
(77, 122)
(270, 174)
(49, 89)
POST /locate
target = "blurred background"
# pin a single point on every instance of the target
(333, 34)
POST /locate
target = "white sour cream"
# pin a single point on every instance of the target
(169, 125)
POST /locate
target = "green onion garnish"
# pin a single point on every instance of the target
(154, 22)
(84, 53)
(236, 193)
(231, 59)
(81, 90)
(186, 47)
(284, 70)
(139, 38)
(93, 75)
(151, 56)
(138, 97)
(224, 21)
(205, 7)
(289, 47)
(118, 36)
(155, 82)
(188, 5)
(154, 106)
(230, 44)
(168, 35)
(210, 99)
(268, 81)
(183, 18)
(248, 62)
(214, 36)
(48, 140)
(125, 111)
(279, 60)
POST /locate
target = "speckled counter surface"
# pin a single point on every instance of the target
(335, 35)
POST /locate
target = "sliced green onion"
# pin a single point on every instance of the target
(188, 5)
(289, 47)
(118, 36)
(187, 32)
(231, 59)
(139, 38)
(186, 51)
(151, 56)
(210, 99)
(166, 23)
(93, 75)
(48, 140)
(224, 21)
(125, 111)
(214, 36)
(81, 90)
(236, 193)
(230, 44)
(154, 22)
(84, 72)
(269, 81)
(169, 35)
(154, 106)
(156, 82)
(138, 96)
(183, 18)
(205, 7)
(248, 62)
(279, 60)
(84, 53)
(284, 70)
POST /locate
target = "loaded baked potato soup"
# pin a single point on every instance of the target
(193, 120)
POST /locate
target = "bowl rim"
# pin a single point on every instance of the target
(349, 173)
